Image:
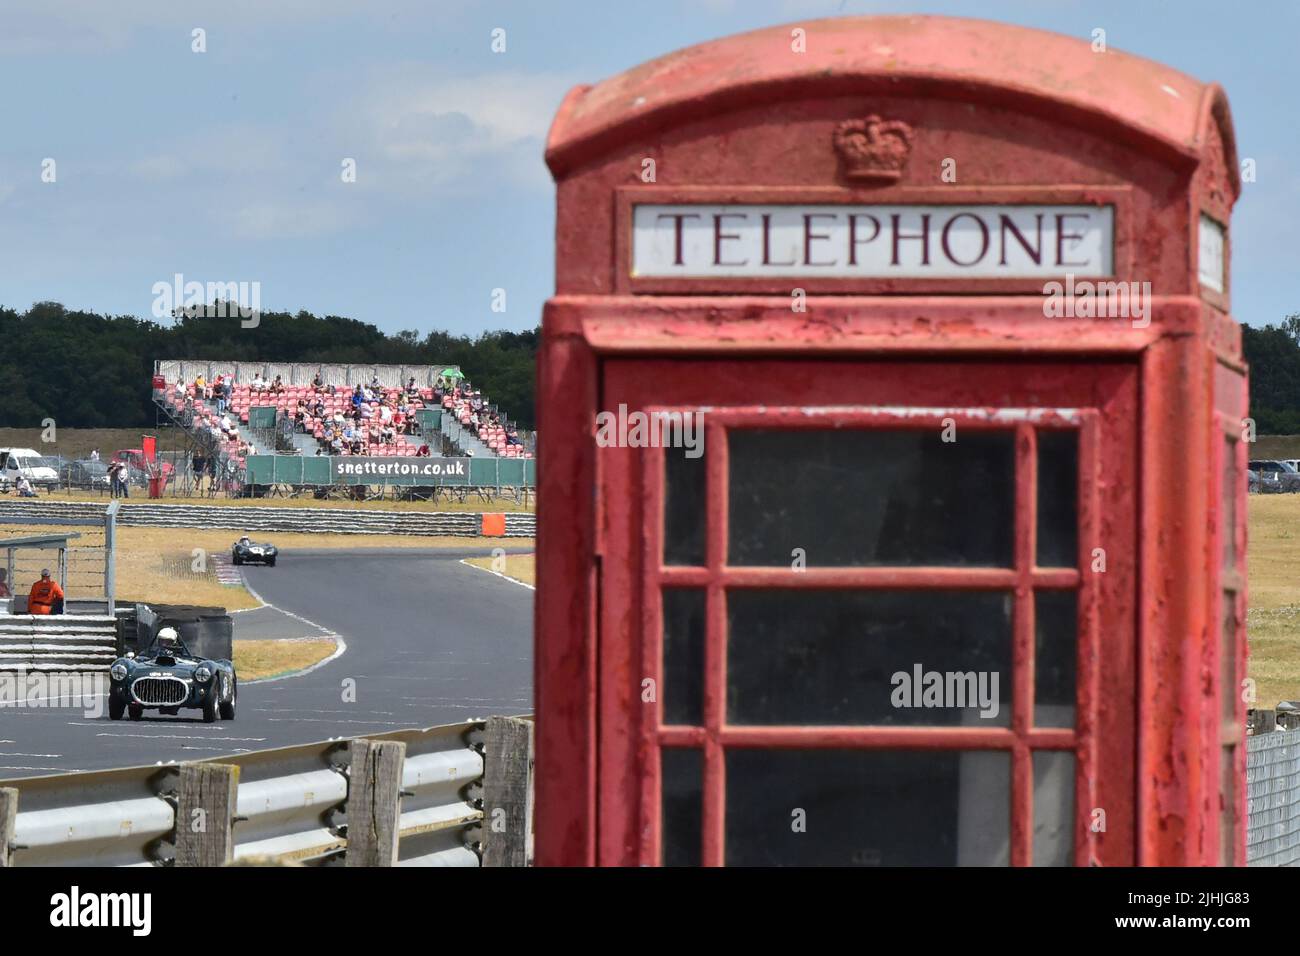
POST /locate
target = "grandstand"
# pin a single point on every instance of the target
(333, 410)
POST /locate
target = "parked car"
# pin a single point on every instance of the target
(1280, 475)
(17, 463)
(245, 551)
(166, 677)
(88, 474)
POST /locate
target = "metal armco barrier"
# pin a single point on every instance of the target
(56, 642)
(258, 518)
(290, 805)
(1273, 797)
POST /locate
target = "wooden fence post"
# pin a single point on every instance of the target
(508, 792)
(374, 795)
(205, 811)
(8, 816)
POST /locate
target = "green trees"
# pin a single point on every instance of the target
(86, 370)
(1273, 353)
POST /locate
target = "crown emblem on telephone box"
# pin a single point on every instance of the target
(872, 149)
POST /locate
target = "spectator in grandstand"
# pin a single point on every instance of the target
(4, 584)
(219, 393)
(25, 488)
(258, 384)
(318, 409)
(277, 387)
(388, 435)
(512, 438)
(318, 383)
(358, 397)
(336, 444)
(422, 451)
(46, 597)
(201, 386)
(94, 454)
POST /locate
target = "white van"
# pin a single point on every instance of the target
(15, 462)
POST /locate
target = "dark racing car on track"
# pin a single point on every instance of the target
(167, 677)
(245, 551)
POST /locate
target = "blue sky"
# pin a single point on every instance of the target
(226, 165)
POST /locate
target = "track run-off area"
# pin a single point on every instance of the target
(424, 640)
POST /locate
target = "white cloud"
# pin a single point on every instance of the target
(428, 129)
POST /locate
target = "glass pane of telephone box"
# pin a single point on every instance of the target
(681, 806)
(867, 808)
(1058, 499)
(937, 658)
(858, 497)
(684, 508)
(1056, 655)
(683, 656)
(1054, 819)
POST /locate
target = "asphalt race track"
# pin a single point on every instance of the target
(428, 641)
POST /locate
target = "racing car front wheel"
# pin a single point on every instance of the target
(227, 709)
(210, 706)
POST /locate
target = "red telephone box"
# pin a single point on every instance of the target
(891, 498)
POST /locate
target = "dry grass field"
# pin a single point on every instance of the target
(258, 660)
(521, 567)
(1273, 620)
(74, 442)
